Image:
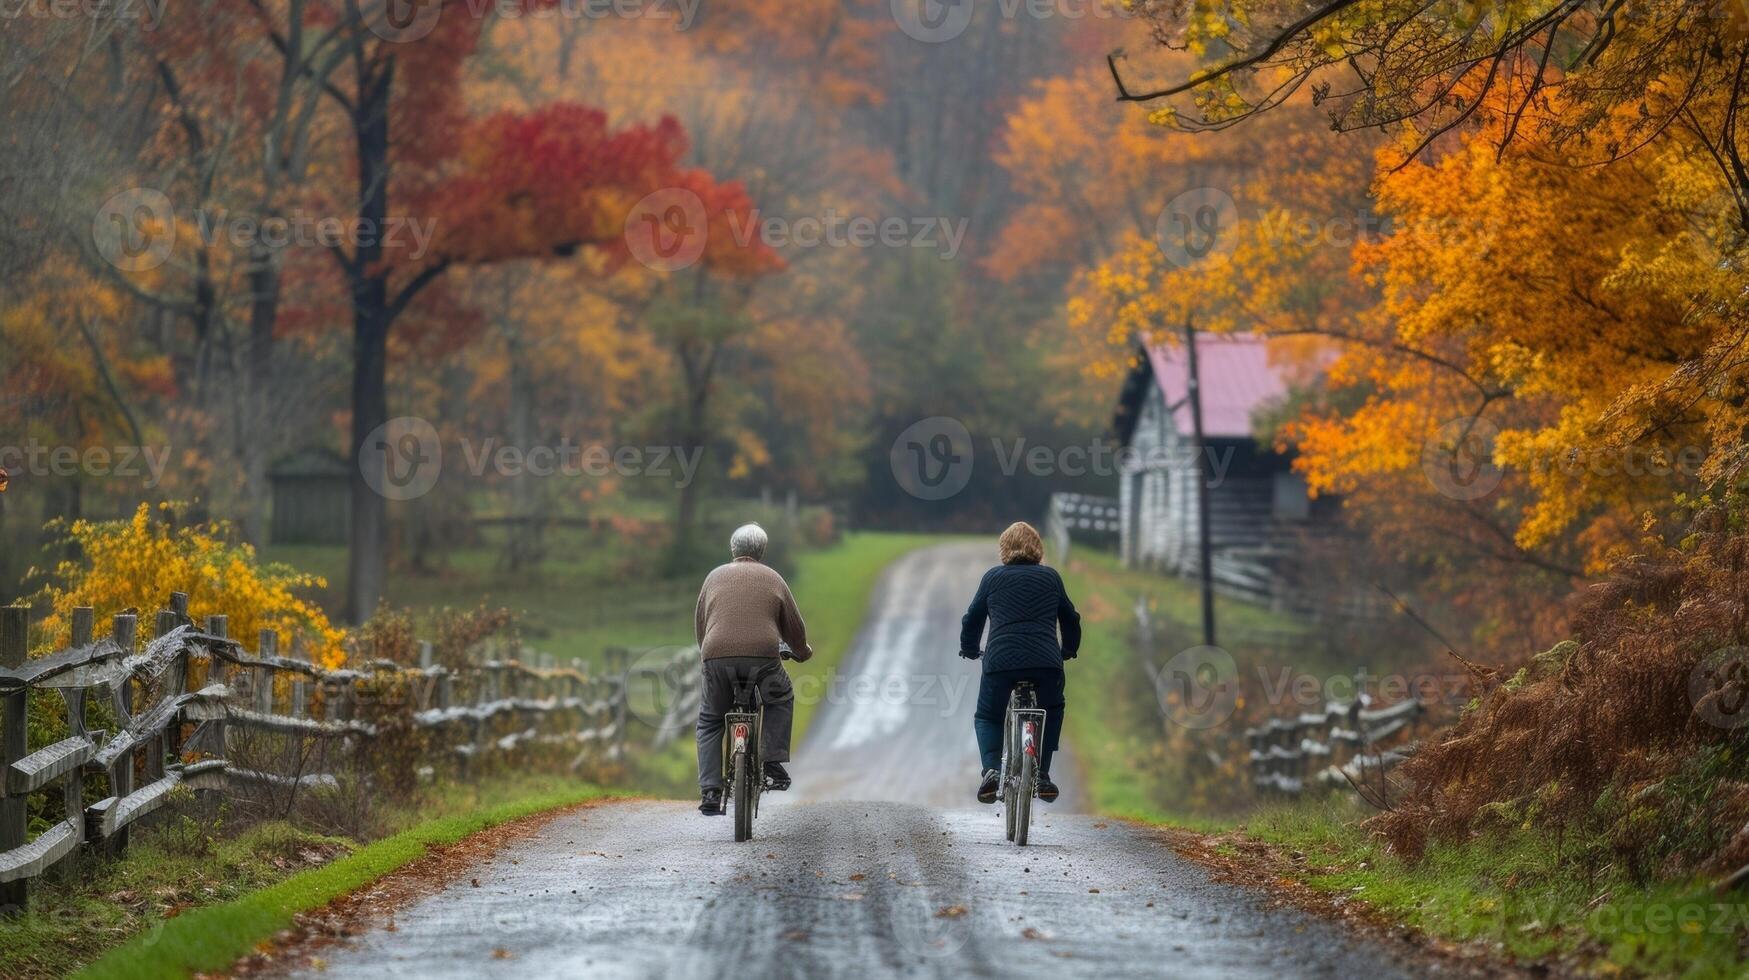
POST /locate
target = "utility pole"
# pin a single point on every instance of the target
(1203, 545)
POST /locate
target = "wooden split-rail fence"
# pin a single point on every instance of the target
(1346, 744)
(194, 709)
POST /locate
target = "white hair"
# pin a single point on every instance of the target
(748, 541)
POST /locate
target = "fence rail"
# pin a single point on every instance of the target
(1343, 745)
(194, 709)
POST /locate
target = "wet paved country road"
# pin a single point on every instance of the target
(843, 881)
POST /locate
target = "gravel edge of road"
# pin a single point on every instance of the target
(440, 867)
(1267, 870)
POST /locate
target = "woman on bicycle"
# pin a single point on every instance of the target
(1025, 604)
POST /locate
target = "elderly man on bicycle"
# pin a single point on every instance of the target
(745, 611)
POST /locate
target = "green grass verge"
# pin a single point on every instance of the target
(215, 936)
(1518, 891)
(1131, 765)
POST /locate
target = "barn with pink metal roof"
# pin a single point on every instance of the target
(1258, 506)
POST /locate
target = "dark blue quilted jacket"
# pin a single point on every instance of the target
(1025, 605)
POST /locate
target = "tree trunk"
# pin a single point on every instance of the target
(367, 560)
(259, 443)
(525, 532)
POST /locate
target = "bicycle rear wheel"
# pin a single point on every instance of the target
(1022, 810)
(743, 798)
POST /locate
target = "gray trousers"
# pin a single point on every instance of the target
(723, 678)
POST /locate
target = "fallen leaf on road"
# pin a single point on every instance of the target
(502, 954)
(950, 912)
(1031, 933)
(1092, 891)
(1099, 826)
(858, 877)
(796, 935)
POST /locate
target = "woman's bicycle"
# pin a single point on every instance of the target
(1020, 759)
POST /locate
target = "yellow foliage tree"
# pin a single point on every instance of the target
(136, 564)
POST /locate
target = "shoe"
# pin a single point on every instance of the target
(711, 803)
(776, 777)
(1047, 790)
(987, 788)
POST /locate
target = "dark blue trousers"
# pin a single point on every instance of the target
(993, 691)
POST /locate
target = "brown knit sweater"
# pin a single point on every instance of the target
(744, 609)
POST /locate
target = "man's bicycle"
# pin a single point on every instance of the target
(743, 769)
(743, 763)
(1020, 759)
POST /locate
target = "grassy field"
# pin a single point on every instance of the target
(592, 592)
(184, 897)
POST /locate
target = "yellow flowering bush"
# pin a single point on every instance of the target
(137, 563)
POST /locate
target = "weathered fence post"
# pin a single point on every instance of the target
(162, 748)
(297, 708)
(14, 644)
(266, 648)
(218, 671)
(84, 626)
(125, 627)
(618, 665)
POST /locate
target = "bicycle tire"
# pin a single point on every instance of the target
(1023, 798)
(1008, 750)
(743, 799)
